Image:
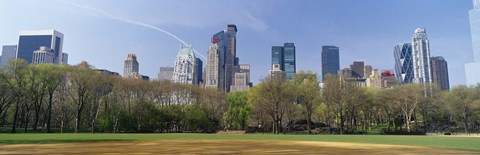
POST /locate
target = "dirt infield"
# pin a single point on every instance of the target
(220, 147)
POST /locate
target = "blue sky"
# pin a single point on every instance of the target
(103, 32)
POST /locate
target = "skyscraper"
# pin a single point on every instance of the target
(284, 56)
(289, 60)
(213, 66)
(403, 62)
(440, 72)
(421, 57)
(8, 52)
(330, 60)
(221, 39)
(230, 55)
(242, 79)
(131, 67)
(44, 55)
(30, 41)
(472, 70)
(185, 66)
(199, 70)
(166, 73)
(358, 69)
(277, 56)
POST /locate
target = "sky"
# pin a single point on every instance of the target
(103, 32)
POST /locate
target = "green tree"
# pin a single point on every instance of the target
(238, 110)
(308, 93)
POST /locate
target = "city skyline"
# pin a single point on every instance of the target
(371, 43)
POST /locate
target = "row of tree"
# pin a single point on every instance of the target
(78, 99)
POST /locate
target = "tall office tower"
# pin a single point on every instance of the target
(472, 70)
(367, 71)
(285, 57)
(166, 73)
(130, 69)
(403, 62)
(289, 60)
(213, 66)
(185, 66)
(221, 39)
(358, 68)
(65, 58)
(440, 72)
(8, 52)
(44, 55)
(277, 56)
(199, 71)
(230, 55)
(330, 60)
(30, 41)
(421, 57)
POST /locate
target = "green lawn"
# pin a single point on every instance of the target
(465, 143)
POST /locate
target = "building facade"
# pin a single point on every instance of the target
(43, 55)
(199, 71)
(440, 72)
(472, 70)
(230, 55)
(213, 67)
(285, 57)
(421, 57)
(131, 67)
(9, 52)
(242, 79)
(289, 60)
(330, 60)
(358, 69)
(166, 73)
(30, 41)
(65, 58)
(185, 66)
(403, 63)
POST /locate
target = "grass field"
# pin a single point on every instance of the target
(462, 143)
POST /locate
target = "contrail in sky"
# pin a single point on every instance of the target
(130, 21)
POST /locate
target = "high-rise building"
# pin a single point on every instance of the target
(230, 55)
(166, 73)
(388, 79)
(403, 62)
(185, 66)
(213, 66)
(421, 57)
(30, 41)
(330, 60)
(8, 52)
(440, 72)
(43, 55)
(472, 70)
(199, 70)
(245, 68)
(374, 79)
(221, 39)
(131, 67)
(289, 60)
(285, 57)
(277, 56)
(65, 58)
(358, 69)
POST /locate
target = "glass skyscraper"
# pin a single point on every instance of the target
(30, 41)
(8, 52)
(289, 63)
(330, 60)
(403, 62)
(285, 57)
(472, 70)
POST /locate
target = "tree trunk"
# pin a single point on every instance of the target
(15, 116)
(49, 112)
